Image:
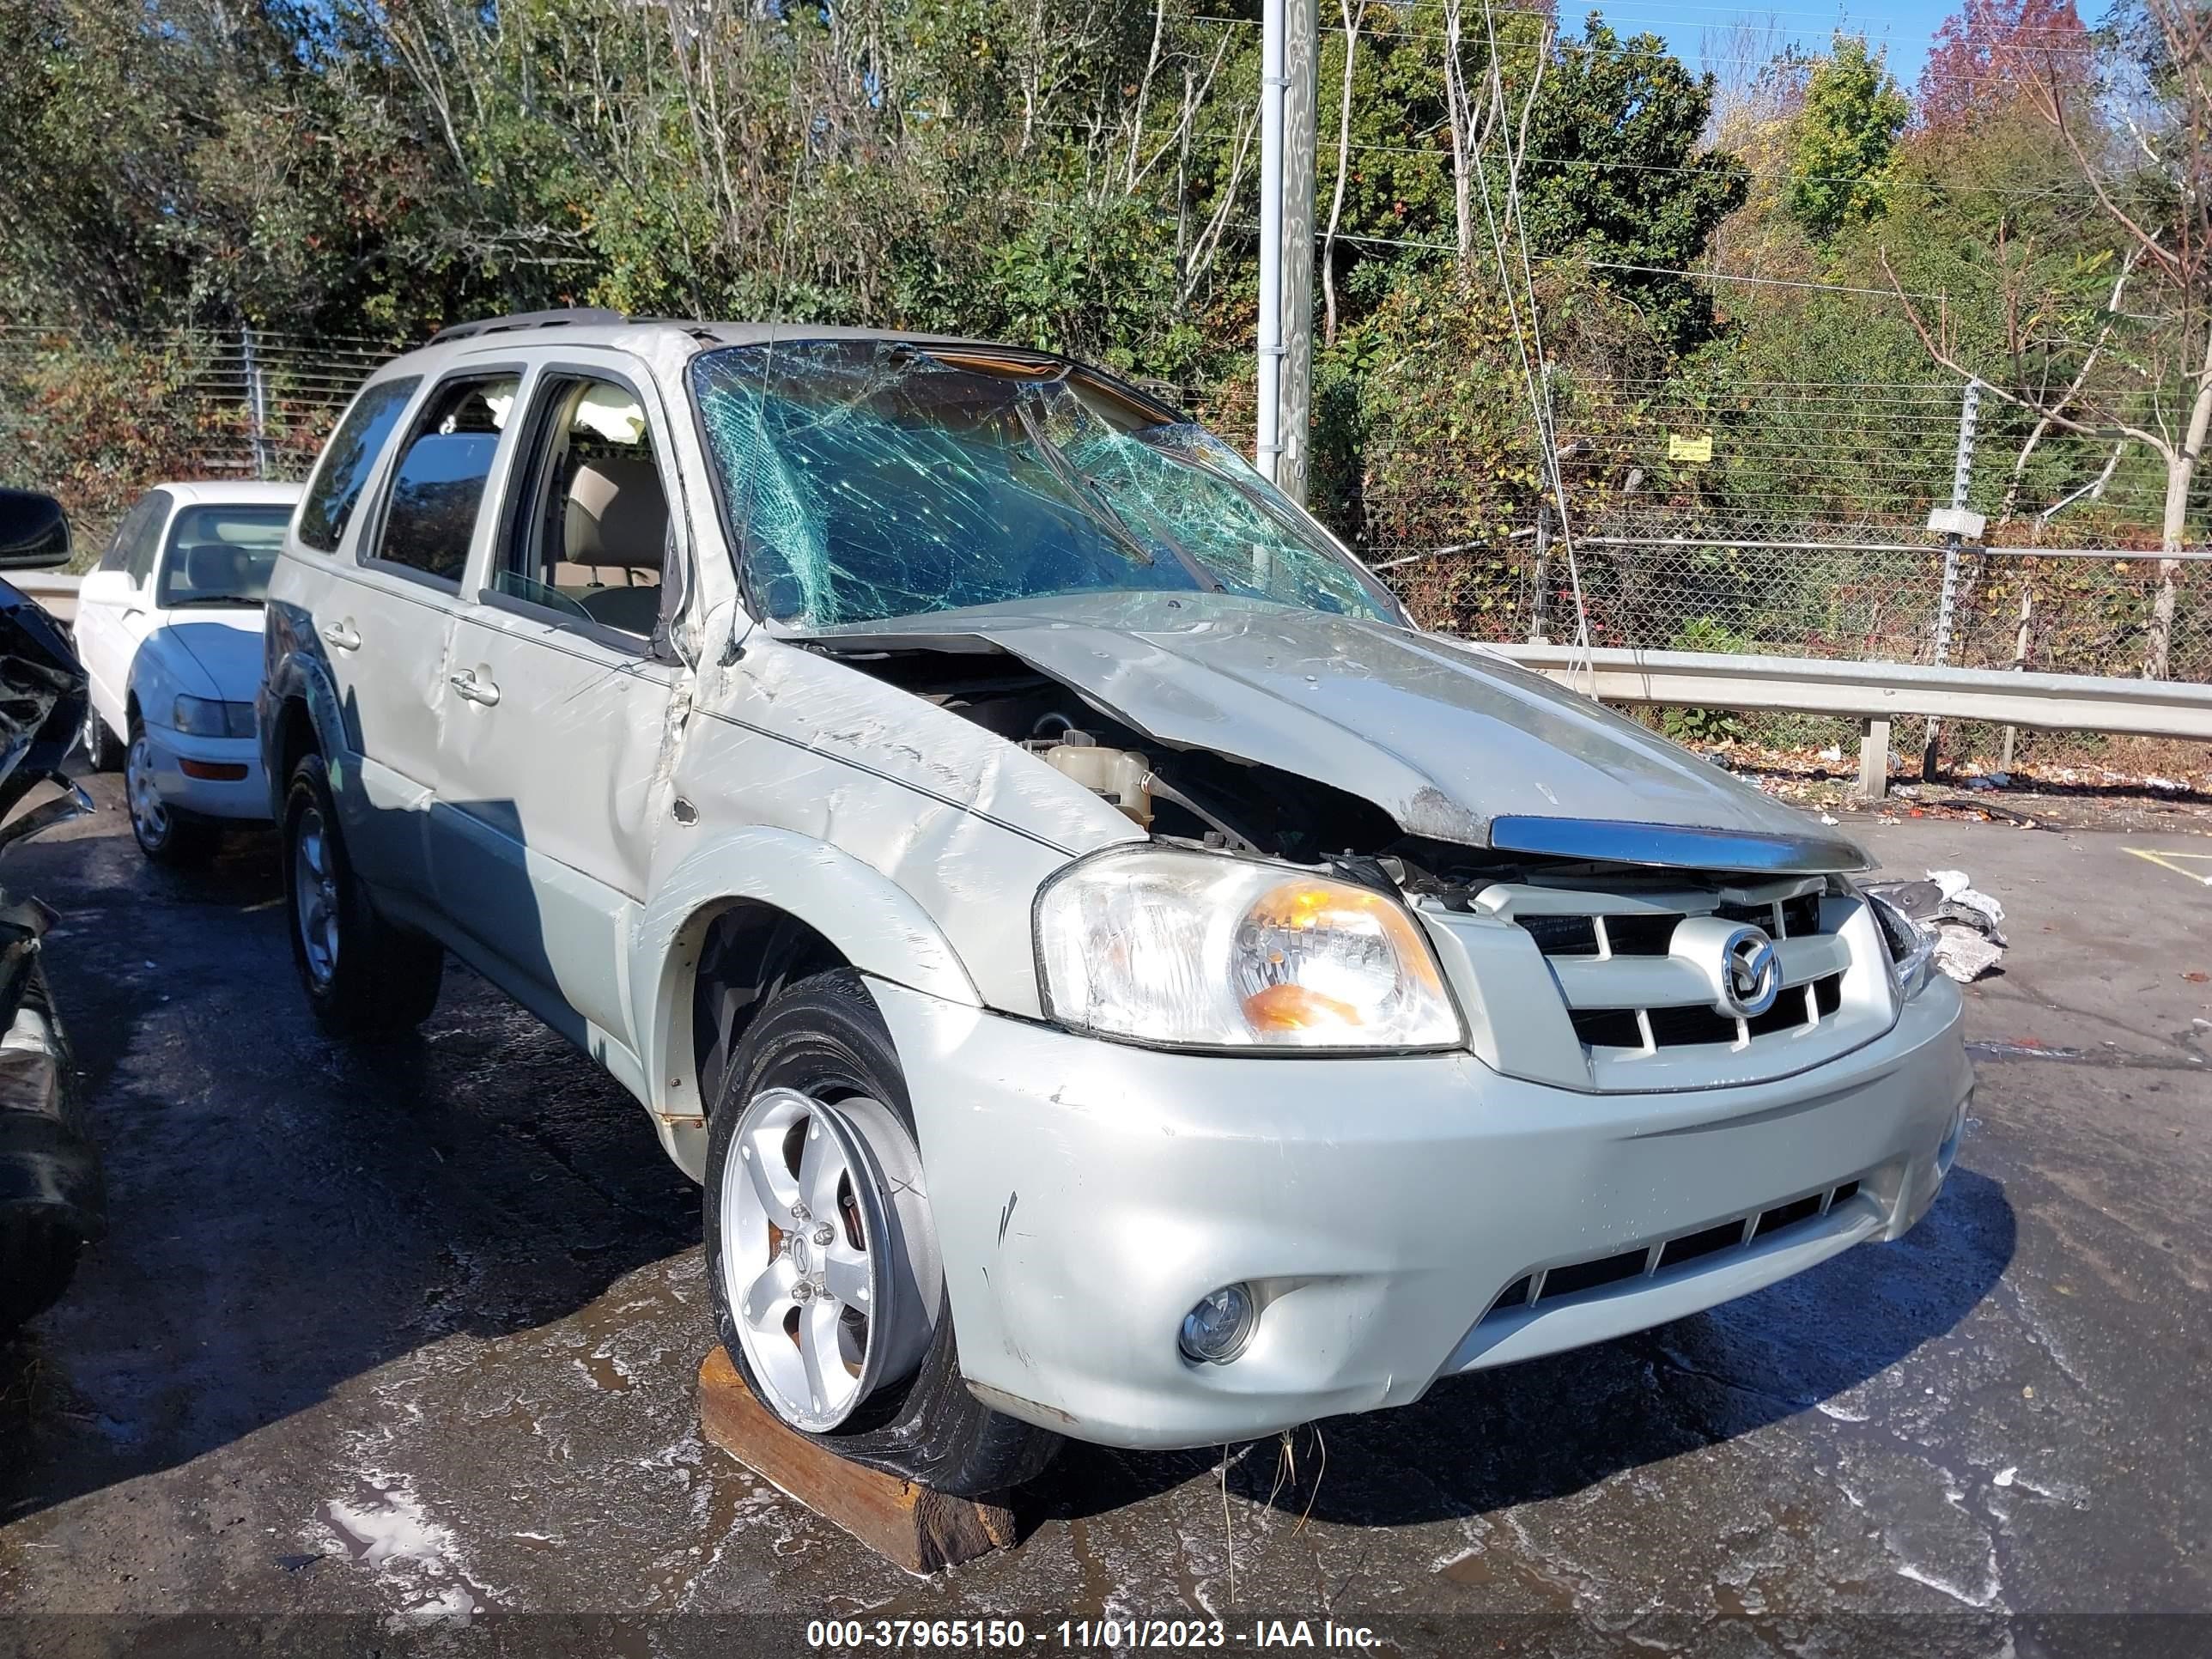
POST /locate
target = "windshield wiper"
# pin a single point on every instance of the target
(1095, 494)
(214, 599)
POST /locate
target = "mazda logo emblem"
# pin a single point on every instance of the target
(1751, 973)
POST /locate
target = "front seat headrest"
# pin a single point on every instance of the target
(618, 514)
(214, 567)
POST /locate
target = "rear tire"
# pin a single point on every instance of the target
(364, 977)
(821, 1046)
(101, 750)
(166, 834)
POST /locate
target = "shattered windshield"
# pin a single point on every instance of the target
(870, 479)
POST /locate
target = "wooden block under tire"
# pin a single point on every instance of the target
(910, 1526)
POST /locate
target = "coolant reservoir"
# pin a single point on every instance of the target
(1117, 774)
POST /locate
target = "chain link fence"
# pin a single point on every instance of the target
(2069, 613)
(99, 419)
(1791, 521)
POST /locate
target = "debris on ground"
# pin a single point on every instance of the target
(2028, 795)
(1969, 940)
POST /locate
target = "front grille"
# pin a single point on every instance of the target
(1647, 933)
(1580, 1279)
(1658, 999)
(1563, 936)
(1671, 1028)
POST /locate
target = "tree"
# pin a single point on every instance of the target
(1617, 174)
(1971, 70)
(1845, 138)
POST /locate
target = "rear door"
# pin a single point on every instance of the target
(384, 625)
(548, 792)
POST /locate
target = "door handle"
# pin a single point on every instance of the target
(474, 689)
(342, 635)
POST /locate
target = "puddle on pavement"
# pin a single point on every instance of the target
(1492, 1572)
(606, 1376)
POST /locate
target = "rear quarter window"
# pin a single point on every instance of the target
(343, 471)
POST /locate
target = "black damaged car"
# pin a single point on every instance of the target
(52, 1199)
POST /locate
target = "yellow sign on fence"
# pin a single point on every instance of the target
(1682, 447)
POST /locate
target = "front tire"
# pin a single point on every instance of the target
(38, 1259)
(364, 977)
(822, 1255)
(166, 834)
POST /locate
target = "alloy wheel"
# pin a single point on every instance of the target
(315, 894)
(148, 817)
(829, 1268)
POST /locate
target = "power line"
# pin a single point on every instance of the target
(1585, 49)
(1442, 152)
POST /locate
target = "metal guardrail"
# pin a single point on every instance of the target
(1875, 693)
(55, 592)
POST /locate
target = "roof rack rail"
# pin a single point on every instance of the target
(573, 316)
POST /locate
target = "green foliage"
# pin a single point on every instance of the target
(1623, 178)
(1846, 135)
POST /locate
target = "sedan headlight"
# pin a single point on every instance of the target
(203, 717)
(1206, 950)
(1912, 947)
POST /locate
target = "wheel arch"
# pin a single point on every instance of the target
(293, 738)
(308, 716)
(767, 906)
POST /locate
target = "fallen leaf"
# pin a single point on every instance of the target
(2197, 976)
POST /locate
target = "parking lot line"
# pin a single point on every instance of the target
(2165, 861)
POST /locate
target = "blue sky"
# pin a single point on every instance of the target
(1904, 27)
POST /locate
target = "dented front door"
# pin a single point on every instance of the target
(548, 804)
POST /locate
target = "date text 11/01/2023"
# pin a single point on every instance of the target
(1078, 1634)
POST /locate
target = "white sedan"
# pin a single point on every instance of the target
(168, 627)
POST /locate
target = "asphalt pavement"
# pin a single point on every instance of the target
(402, 1343)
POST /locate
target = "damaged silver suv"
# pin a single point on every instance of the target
(1114, 974)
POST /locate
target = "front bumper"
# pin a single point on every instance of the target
(241, 796)
(1086, 1194)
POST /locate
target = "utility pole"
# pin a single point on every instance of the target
(1289, 38)
(1293, 430)
(1959, 525)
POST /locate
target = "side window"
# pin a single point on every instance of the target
(138, 524)
(439, 483)
(347, 459)
(589, 534)
(146, 541)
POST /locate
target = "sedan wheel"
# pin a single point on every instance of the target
(828, 1263)
(149, 819)
(315, 896)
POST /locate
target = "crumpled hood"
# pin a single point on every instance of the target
(1454, 743)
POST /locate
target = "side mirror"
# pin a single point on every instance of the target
(34, 533)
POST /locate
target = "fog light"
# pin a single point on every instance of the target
(1217, 1329)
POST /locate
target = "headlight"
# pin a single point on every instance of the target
(1912, 947)
(1206, 950)
(203, 717)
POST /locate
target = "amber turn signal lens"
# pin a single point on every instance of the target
(1295, 1008)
